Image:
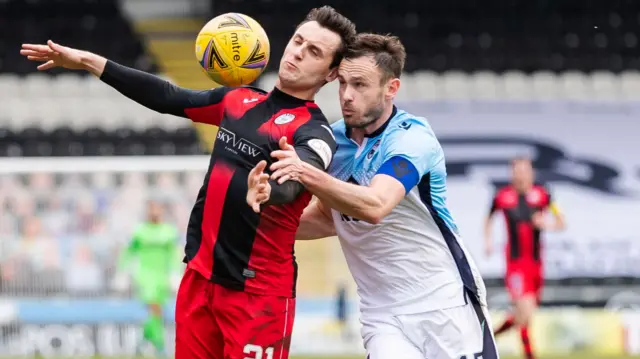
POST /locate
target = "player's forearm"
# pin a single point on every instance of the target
(146, 89)
(488, 241)
(94, 63)
(315, 224)
(288, 191)
(558, 223)
(487, 228)
(353, 200)
(284, 193)
(315, 229)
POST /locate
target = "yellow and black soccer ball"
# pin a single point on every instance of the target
(233, 49)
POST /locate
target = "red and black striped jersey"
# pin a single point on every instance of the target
(523, 237)
(227, 241)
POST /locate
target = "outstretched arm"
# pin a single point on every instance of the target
(558, 223)
(315, 145)
(368, 203)
(146, 89)
(316, 222)
(406, 158)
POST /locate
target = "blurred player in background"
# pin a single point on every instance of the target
(237, 297)
(524, 205)
(421, 295)
(153, 255)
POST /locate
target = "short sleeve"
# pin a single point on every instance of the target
(410, 152)
(549, 200)
(416, 143)
(314, 141)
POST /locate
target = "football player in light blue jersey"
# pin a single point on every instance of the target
(421, 295)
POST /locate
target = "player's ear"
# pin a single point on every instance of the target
(333, 74)
(393, 86)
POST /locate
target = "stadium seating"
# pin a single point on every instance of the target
(494, 35)
(69, 114)
(97, 26)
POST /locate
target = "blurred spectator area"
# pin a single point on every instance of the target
(63, 233)
(95, 25)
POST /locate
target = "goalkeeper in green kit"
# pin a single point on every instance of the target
(153, 255)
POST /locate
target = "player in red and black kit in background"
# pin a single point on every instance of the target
(524, 205)
(237, 296)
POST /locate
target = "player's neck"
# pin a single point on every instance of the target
(308, 95)
(358, 134)
(523, 188)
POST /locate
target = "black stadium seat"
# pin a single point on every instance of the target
(97, 26)
(466, 35)
(98, 142)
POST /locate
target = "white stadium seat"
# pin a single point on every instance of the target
(422, 85)
(69, 84)
(9, 86)
(455, 85)
(545, 86)
(604, 86)
(630, 85)
(486, 85)
(37, 85)
(84, 101)
(576, 86)
(517, 86)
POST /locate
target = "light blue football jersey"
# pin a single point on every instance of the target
(412, 261)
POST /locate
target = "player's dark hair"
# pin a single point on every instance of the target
(386, 50)
(330, 19)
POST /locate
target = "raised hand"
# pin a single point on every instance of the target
(259, 189)
(54, 55)
(288, 165)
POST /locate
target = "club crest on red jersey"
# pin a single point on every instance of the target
(285, 118)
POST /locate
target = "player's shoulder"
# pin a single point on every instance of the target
(315, 113)
(541, 187)
(406, 130)
(339, 129)
(248, 90)
(243, 94)
(505, 189)
(169, 227)
(339, 126)
(140, 228)
(403, 123)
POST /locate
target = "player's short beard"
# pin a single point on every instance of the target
(370, 116)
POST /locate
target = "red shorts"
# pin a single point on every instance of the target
(214, 322)
(524, 279)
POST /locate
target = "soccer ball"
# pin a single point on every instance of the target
(233, 49)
